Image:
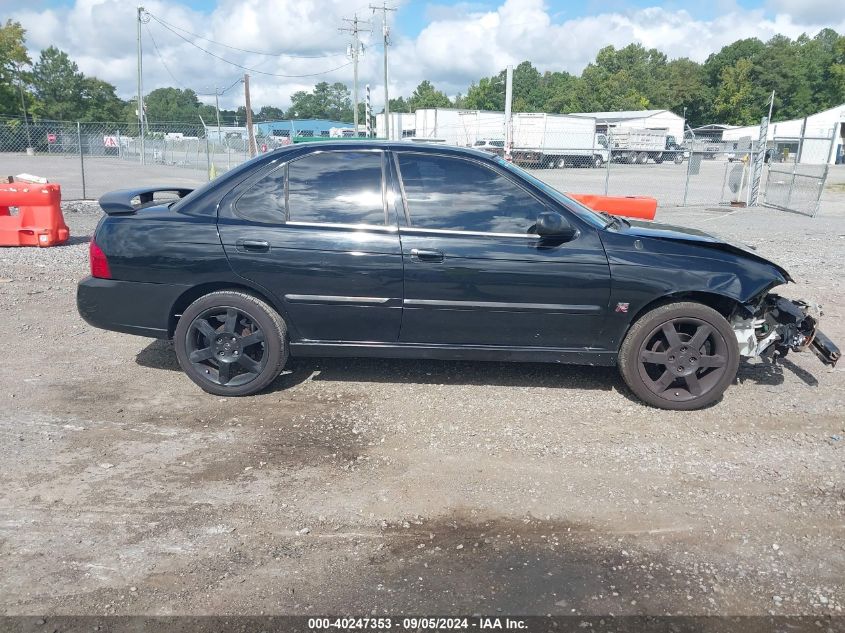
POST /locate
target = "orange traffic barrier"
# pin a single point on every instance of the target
(39, 220)
(640, 207)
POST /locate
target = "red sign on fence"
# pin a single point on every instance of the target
(51, 138)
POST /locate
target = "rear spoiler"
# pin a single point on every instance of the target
(120, 202)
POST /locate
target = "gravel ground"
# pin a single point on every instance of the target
(372, 486)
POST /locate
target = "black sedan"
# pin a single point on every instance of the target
(396, 250)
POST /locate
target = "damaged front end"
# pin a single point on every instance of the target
(776, 325)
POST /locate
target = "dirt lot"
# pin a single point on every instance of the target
(361, 486)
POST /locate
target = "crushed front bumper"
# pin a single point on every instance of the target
(779, 325)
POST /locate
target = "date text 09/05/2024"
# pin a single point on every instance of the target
(417, 623)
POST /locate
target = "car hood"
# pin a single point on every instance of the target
(658, 231)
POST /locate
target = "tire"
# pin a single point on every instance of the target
(253, 343)
(630, 158)
(598, 161)
(679, 158)
(670, 374)
(642, 158)
(658, 159)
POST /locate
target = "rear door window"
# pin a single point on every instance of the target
(336, 187)
(323, 187)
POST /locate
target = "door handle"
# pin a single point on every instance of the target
(421, 255)
(253, 246)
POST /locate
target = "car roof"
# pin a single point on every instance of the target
(413, 146)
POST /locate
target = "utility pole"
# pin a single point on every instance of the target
(140, 85)
(385, 31)
(356, 49)
(26, 118)
(253, 150)
(508, 102)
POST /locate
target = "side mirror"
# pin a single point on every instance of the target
(552, 224)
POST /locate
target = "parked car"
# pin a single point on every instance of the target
(361, 248)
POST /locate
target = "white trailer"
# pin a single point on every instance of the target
(458, 127)
(557, 140)
(641, 145)
(402, 125)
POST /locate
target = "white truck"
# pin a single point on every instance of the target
(557, 140)
(640, 145)
(457, 127)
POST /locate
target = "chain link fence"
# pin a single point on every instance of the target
(574, 155)
(89, 159)
(570, 153)
(796, 181)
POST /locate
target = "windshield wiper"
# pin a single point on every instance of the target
(613, 219)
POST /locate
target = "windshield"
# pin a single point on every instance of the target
(585, 213)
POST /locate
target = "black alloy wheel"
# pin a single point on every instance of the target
(679, 356)
(682, 359)
(231, 343)
(227, 346)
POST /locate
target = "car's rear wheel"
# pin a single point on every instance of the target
(231, 343)
(679, 356)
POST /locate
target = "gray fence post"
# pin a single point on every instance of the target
(689, 164)
(791, 185)
(609, 138)
(81, 157)
(207, 158)
(821, 188)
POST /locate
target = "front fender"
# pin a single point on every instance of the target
(644, 271)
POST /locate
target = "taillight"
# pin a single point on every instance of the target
(99, 263)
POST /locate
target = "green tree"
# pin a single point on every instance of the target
(270, 113)
(14, 61)
(427, 96)
(172, 105)
(399, 105)
(326, 101)
(735, 101)
(728, 56)
(57, 84)
(837, 69)
(99, 102)
(685, 87)
(487, 94)
(561, 93)
(626, 79)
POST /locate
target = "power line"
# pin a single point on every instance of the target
(247, 68)
(242, 50)
(179, 83)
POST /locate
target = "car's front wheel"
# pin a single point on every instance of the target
(679, 356)
(231, 343)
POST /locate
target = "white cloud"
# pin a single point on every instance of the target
(460, 43)
(811, 12)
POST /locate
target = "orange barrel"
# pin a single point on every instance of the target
(641, 207)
